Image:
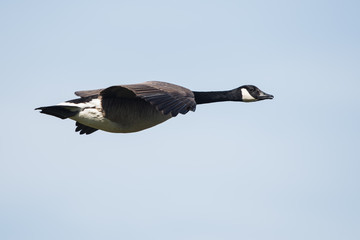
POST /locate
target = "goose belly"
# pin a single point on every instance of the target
(121, 118)
(94, 118)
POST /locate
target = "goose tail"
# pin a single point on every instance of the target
(59, 111)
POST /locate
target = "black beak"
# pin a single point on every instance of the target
(264, 96)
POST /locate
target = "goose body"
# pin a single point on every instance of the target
(135, 107)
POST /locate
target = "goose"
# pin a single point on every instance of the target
(135, 107)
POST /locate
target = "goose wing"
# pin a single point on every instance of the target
(166, 97)
(88, 93)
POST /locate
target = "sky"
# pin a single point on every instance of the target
(286, 168)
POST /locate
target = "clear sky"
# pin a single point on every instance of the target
(281, 169)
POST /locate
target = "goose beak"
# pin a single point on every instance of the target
(264, 96)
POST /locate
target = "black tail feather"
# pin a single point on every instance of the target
(59, 111)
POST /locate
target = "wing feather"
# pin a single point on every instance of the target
(166, 97)
(88, 93)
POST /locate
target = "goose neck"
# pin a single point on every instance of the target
(213, 96)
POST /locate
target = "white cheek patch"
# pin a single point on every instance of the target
(246, 96)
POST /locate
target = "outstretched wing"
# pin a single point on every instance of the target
(88, 93)
(165, 97)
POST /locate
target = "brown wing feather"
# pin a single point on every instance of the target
(166, 97)
(88, 93)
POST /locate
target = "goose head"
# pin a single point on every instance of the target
(250, 93)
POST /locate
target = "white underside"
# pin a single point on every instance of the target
(91, 115)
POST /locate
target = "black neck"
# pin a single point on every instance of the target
(210, 97)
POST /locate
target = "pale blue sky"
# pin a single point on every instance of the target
(281, 169)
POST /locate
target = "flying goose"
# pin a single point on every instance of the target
(135, 107)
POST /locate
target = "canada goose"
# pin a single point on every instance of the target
(135, 107)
